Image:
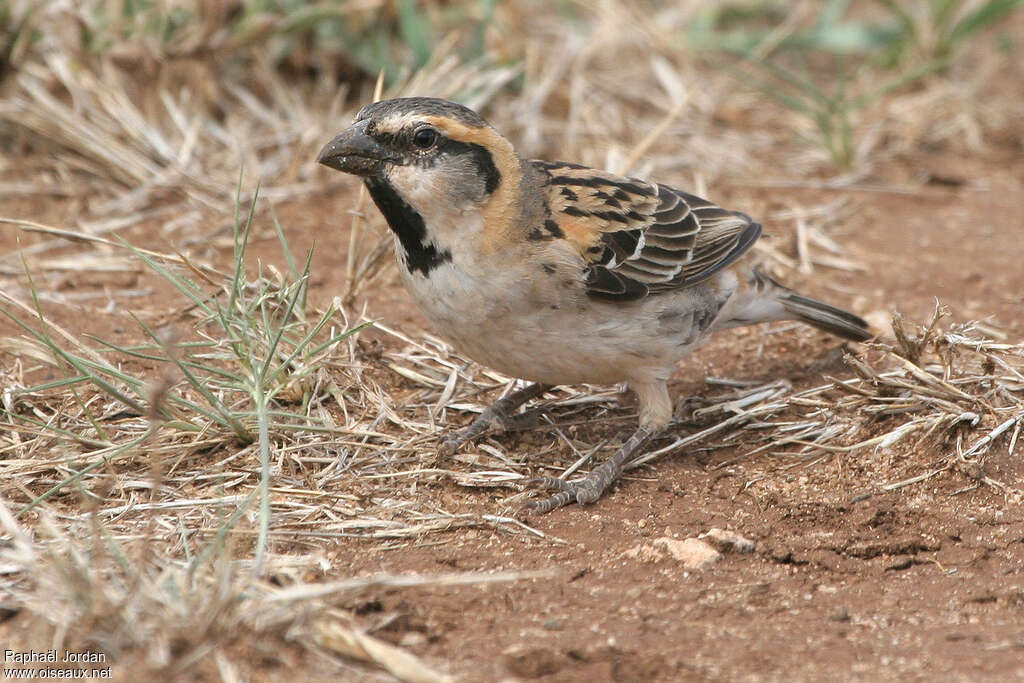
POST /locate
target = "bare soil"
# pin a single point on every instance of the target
(924, 582)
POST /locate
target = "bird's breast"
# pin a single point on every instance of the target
(542, 326)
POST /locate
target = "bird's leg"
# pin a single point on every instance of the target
(498, 414)
(655, 414)
(589, 488)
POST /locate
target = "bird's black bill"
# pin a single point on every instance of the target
(353, 151)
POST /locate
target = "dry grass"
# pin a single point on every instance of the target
(144, 552)
(130, 521)
(927, 388)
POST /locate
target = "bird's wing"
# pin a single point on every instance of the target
(639, 238)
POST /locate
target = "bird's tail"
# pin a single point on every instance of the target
(764, 299)
(824, 316)
(774, 301)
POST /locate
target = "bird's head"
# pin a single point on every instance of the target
(437, 156)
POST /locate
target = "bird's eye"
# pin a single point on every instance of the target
(424, 138)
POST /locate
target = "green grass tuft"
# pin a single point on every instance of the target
(246, 372)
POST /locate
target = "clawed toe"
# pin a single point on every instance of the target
(589, 488)
(450, 444)
(500, 414)
(582, 491)
(549, 504)
(549, 484)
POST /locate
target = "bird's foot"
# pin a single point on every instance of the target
(583, 491)
(498, 415)
(591, 487)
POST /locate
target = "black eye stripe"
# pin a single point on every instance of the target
(403, 144)
(481, 158)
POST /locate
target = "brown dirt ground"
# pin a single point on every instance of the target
(923, 582)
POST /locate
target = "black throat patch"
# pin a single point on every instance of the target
(408, 226)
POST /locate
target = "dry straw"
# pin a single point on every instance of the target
(131, 475)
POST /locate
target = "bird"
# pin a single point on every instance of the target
(556, 273)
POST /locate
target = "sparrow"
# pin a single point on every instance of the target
(558, 273)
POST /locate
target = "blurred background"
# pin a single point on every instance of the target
(153, 396)
(133, 101)
(158, 115)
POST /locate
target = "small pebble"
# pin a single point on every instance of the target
(728, 541)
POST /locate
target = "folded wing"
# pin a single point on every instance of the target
(638, 238)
